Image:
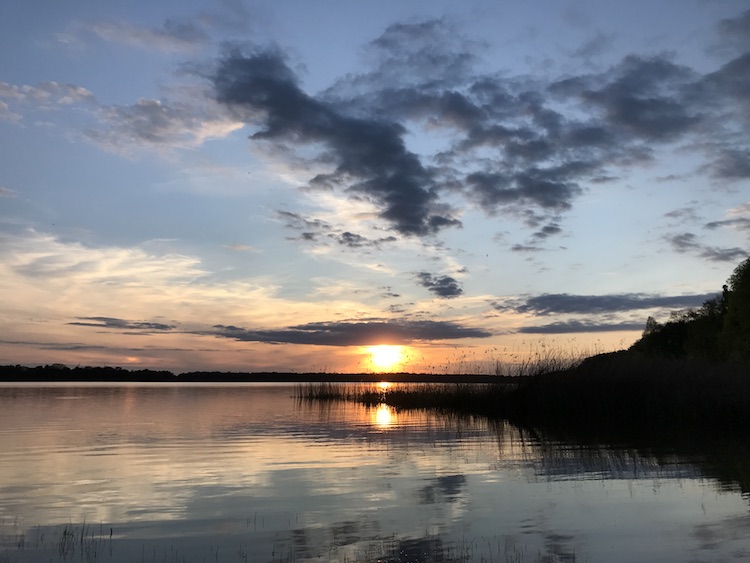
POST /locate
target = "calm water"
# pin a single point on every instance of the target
(244, 473)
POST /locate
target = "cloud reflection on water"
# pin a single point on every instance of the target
(249, 466)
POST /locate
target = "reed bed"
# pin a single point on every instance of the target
(458, 397)
(608, 391)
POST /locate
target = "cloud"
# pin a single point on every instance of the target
(47, 95)
(736, 31)
(7, 115)
(442, 286)
(37, 256)
(738, 219)
(160, 124)
(321, 232)
(173, 36)
(526, 248)
(148, 123)
(121, 324)
(353, 333)
(576, 326)
(369, 156)
(739, 223)
(564, 303)
(644, 99)
(595, 47)
(7, 192)
(684, 214)
(732, 164)
(547, 231)
(688, 243)
(238, 247)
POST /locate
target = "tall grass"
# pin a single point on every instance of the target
(607, 392)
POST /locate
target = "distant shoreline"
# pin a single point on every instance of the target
(62, 374)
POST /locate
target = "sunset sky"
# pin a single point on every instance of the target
(231, 185)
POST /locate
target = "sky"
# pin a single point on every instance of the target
(280, 186)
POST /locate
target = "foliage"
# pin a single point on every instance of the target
(718, 331)
(735, 336)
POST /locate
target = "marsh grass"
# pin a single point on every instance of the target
(450, 397)
(620, 391)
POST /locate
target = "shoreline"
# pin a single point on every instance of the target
(59, 374)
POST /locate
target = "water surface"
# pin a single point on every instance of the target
(247, 473)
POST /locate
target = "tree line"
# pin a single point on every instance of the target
(718, 331)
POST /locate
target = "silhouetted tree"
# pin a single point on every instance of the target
(719, 330)
(735, 333)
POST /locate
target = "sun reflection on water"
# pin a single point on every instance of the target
(384, 416)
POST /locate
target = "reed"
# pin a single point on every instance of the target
(622, 390)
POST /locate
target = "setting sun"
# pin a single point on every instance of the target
(386, 357)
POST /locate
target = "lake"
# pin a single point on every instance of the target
(246, 473)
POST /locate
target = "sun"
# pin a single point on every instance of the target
(386, 357)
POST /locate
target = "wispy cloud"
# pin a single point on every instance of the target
(564, 303)
(580, 326)
(690, 243)
(122, 324)
(47, 95)
(173, 36)
(322, 232)
(163, 125)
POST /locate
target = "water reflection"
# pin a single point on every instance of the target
(383, 416)
(245, 473)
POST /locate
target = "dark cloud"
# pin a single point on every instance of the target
(689, 243)
(547, 231)
(684, 242)
(740, 223)
(546, 188)
(353, 240)
(442, 286)
(684, 214)
(569, 327)
(526, 248)
(388, 292)
(732, 164)
(515, 144)
(564, 303)
(369, 154)
(716, 254)
(353, 333)
(121, 324)
(735, 32)
(641, 97)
